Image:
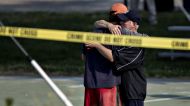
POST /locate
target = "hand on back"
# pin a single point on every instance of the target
(114, 29)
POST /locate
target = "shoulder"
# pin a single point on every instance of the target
(141, 34)
(101, 30)
(128, 32)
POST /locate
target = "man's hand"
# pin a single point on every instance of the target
(114, 29)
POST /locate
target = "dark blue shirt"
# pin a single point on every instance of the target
(98, 69)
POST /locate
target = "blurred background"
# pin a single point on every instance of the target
(62, 60)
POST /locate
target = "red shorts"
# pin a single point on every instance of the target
(100, 96)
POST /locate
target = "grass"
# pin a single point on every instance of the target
(61, 58)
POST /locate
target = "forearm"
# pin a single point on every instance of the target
(114, 29)
(107, 53)
(101, 24)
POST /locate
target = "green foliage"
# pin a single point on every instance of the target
(61, 58)
(9, 102)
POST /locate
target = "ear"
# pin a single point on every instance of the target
(136, 26)
(133, 23)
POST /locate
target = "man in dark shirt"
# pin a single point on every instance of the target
(128, 61)
(99, 81)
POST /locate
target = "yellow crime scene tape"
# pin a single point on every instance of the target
(81, 37)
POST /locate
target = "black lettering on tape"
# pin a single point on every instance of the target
(13, 31)
(93, 38)
(179, 44)
(107, 39)
(134, 41)
(2, 30)
(117, 40)
(72, 36)
(28, 32)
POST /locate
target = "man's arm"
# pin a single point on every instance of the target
(107, 53)
(101, 24)
(114, 29)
